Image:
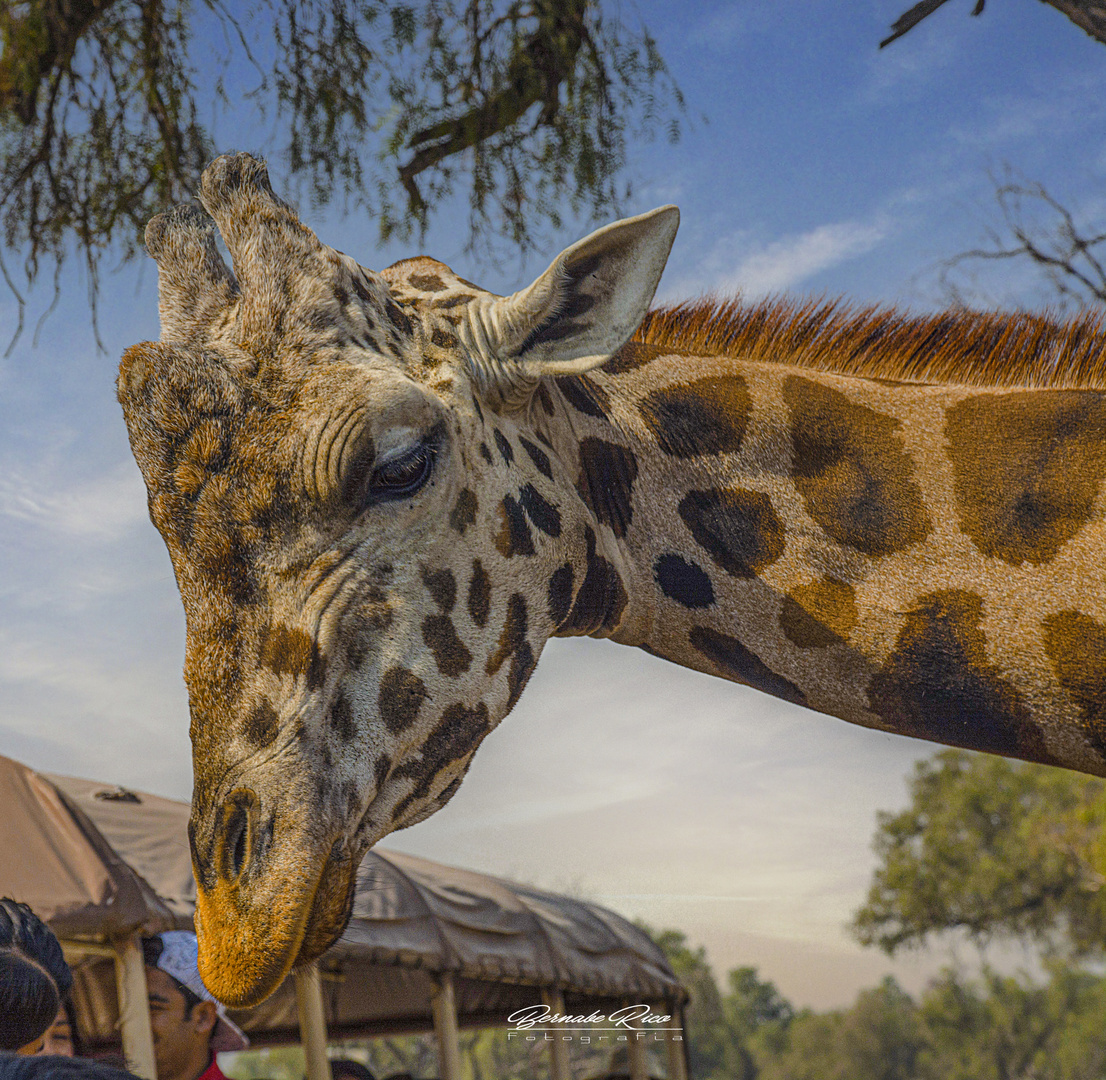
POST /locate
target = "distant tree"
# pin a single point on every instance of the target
(877, 1039)
(1088, 15)
(992, 848)
(388, 106)
(754, 1015)
(1006, 1028)
(704, 1014)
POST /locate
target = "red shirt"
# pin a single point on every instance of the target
(212, 1072)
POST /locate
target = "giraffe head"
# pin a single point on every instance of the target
(367, 515)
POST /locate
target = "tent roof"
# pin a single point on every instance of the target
(55, 859)
(97, 861)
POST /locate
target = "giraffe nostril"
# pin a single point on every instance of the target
(236, 841)
(238, 817)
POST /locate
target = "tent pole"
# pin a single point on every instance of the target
(677, 1063)
(444, 1004)
(637, 1059)
(134, 1007)
(554, 1001)
(309, 1003)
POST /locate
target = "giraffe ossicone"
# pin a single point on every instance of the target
(382, 492)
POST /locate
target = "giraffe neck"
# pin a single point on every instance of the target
(919, 559)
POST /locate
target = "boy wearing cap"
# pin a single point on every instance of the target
(189, 1026)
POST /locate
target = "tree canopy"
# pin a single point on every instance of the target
(991, 847)
(392, 106)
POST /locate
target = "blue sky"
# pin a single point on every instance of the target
(814, 163)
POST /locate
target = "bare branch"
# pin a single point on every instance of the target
(909, 19)
(1067, 252)
(1088, 15)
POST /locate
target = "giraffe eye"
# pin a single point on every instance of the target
(403, 475)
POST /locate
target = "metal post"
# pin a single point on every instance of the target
(554, 1001)
(444, 1004)
(677, 1062)
(134, 1008)
(309, 1003)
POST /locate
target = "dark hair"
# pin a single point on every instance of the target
(340, 1067)
(33, 975)
(52, 1067)
(74, 1031)
(152, 948)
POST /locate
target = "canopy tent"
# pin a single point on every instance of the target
(427, 945)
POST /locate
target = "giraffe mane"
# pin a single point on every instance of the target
(962, 347)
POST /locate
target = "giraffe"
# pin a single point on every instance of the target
(383, 492)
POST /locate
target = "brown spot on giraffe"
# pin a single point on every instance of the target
(739, 529)
(705, 416)
(513, 537)
(632, 355)
(820, 614)
(457, 735)
(401, 696)
(683, 581)
(938, 683)
(851, 469)
(1027, 469)
(262, 724)
(542, 394)
(289, 651)
(538, 456)
(559, 597)
(479, 594)
(602, 598)
(737, 662)
(342, 719)
(398, 318)
(463, 513)
(450, 653)
(364, 624)
(504, 446)
(543, 515)
(584, 395)
(454, 301)
(427, 282)
(442, 586)
(1076, 645)
(514, 645)
(382, 767)
(606, 482)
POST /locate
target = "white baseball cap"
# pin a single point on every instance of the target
(179, 960)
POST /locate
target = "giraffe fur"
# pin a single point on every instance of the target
(382, 493)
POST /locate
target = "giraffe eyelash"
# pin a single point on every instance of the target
(404, 474)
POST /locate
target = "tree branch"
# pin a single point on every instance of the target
(37, 42)
(1088, 15)
(538, 66)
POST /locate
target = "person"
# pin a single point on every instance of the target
(347, 1069)
(34, 978)
(189, 1026)
(54, 1067)
(60, 1038)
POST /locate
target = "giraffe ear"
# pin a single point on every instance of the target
(580, 312)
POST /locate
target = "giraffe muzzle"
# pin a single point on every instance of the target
(266, 899)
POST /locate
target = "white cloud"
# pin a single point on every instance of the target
(792, 259)
(103, 508)
(720, 30)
